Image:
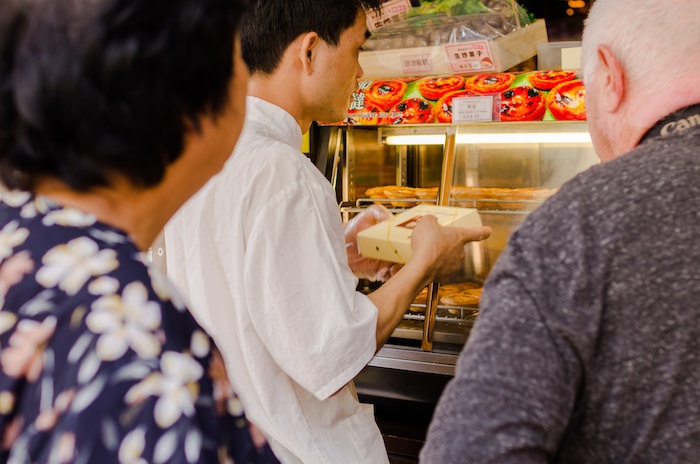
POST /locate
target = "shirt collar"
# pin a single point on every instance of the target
(678, 121)
(273, 121)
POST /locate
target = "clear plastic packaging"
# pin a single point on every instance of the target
(442, 28)
(367, 268)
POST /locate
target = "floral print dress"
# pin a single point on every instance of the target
(100, 361)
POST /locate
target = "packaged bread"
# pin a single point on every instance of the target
(390, 240)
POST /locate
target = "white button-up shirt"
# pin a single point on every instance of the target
(259, 253)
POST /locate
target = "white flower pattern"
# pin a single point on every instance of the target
(69, 217)
(69, 266)
(126, 321)
(133, 446)
(15, 198)
(174, 387)
(11, 236)
(103, 286)
(7, 321)
(120, 369)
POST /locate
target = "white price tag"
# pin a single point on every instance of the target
(472, 109)
(470, 56)
(389, 12)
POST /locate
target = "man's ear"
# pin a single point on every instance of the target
(309, 50)
(612, 78)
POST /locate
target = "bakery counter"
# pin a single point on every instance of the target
(456, 313)
(504, 171)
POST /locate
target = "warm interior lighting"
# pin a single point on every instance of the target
(526, 137)
(431, 139)
(490, 138)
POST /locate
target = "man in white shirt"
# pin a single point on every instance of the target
(260, 252)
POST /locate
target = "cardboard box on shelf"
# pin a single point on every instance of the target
(559, 55)
(391, 240)
(480, 56)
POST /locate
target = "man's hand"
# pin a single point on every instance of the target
(441, 248)
(367, 268)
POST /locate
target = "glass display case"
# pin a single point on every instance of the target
(504, 170)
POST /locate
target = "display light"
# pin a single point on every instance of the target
(490, 138)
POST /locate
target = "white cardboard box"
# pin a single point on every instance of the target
(481, 56)
(391, 240)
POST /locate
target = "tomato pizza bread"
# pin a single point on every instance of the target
(522, 104)
(432, 88)
(385, 93)
(567, 101)
(411, 111)
(545, 80)
(489, 83)
(443, 107)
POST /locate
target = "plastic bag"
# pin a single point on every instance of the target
(446, 22)
(366, 268)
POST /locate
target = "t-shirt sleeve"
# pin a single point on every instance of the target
(301, 293)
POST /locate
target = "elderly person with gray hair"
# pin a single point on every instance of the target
(586, 347)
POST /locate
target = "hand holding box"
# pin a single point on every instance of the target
(391, 240)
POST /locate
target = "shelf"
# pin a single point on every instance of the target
(526, 132)
(415, 360)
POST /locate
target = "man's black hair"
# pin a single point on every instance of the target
(272, 25)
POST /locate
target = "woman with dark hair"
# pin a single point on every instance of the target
(112, 114)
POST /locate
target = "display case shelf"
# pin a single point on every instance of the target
(458, 162)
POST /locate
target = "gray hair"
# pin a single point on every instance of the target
(652, 38)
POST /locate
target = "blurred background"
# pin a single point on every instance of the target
(564, 18)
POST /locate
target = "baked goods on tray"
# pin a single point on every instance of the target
(499, 198)
(396, 192)
(474, 197)
(456, 295)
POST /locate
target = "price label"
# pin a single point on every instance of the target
(472, 109)
(389, 12)
(470, 56)
(417, 63)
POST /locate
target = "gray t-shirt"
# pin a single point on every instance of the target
(587, 346)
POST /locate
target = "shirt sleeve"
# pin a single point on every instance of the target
(300, 291)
